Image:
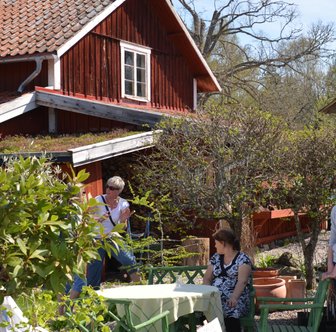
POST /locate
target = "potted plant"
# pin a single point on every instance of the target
(265, 267)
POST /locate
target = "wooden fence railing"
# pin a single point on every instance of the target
(269, 226)
(277, 224)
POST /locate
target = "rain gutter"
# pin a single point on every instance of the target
(38, 61)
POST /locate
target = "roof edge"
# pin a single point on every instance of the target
(17, 106)
(87, 154)
(193, 44)
(88, 27)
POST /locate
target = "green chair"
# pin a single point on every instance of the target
(121, 323)
(315, 304)
(170, 274)
(125, 323)
(248, 322)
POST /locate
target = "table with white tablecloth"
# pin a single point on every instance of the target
(179, 300)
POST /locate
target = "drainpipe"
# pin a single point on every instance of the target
(38, 60)
(37, 70)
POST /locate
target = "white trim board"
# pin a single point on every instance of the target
(18, 106)
(99, 109)
(88, 27)
(111, 148)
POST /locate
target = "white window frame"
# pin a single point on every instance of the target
(139, 50)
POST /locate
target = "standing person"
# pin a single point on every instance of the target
(229, 270)
(113, 210)
(331, 272)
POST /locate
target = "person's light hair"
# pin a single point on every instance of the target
(116, 182)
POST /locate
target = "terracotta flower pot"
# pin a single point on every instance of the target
(274, 287)
(297, 289)
(267, 272)
(287, 280)
(270, 287)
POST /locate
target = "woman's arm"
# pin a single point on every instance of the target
(124, 215)
(208, 276)
(331, 272)
(244, 272)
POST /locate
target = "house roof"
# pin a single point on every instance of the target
(12, 105)
(35, 27)
(86, 154)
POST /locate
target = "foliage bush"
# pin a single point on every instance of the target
(88, 311)
(46, 233)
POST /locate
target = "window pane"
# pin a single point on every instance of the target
(141, 75)
(129, 88)
(141, 61)
(141, 90)
(129, 58)
(129, 73)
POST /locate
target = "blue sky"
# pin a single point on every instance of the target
(314, 10)
(310, 11)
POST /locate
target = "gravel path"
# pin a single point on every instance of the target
(320, 256)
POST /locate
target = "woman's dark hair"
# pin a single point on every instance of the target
(227, 236)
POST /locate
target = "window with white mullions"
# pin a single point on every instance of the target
(135, 71)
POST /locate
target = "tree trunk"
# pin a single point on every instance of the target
(201, 249)
(309, 266)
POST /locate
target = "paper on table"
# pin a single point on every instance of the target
(213, 326)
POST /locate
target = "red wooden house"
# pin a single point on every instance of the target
(95, 65)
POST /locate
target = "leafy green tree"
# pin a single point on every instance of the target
(294, 91)
(234, 37)
(305, 183)
(212, 165)
(46, 233)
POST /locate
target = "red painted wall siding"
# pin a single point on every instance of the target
(13, 74)
(92, 66)
(69, 122)
(94, 184)
(35, 122)
(32, 123)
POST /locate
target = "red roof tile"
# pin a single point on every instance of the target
(29, 26)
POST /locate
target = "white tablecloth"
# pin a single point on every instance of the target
(150, 300)
(12, 315)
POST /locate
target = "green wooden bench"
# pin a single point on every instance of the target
(193, 275)
(315, 304)
(120, 323)
(126, 322)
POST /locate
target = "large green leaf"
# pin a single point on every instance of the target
(22, 246)
(39, 253)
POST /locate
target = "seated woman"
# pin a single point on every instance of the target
(229, 270)
(113, 210)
